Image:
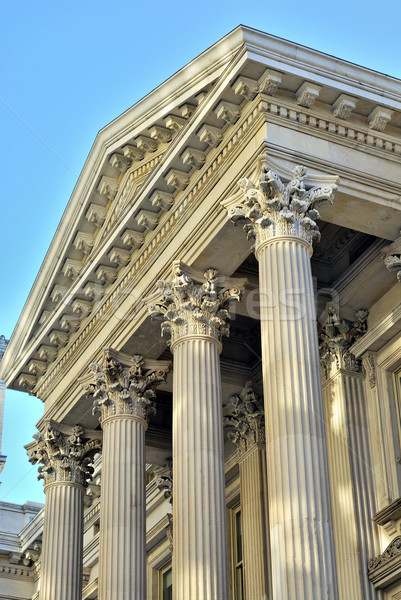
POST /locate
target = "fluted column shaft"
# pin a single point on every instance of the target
(61, 560)
(302, 548)
(253, 490)
(122, 569)
(199, 517)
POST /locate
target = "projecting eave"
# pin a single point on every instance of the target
(141, 163)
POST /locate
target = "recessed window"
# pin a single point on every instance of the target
(238, 569)
(166, 584)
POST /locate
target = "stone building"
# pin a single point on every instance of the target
(215, 335)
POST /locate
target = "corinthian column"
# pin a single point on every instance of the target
(65, 454)
(281, 218)
(124, 393)
(246, 429)
(195, 318)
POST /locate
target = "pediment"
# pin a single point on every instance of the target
(158, 158)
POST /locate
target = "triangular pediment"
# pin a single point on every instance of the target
(164, 154)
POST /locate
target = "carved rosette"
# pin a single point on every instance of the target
(126, 386)
(271, 208)
(65, 454)
(336, 337)
(187, 309)
(246, 424)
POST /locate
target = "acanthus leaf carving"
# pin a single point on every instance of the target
(194, 158)
(343, 106)
(160, 134)
(273, 209)
(120, 162)
(177, 179)
(65, 454)
(108, 187)
(162, 200)
(210, 135)
(133, 153)
(133, 239)
(379, 117)
(245, 424)
(269, 82)
(125, 385)
(164, 480)
(392, 551)
(336, 336)
(369, 365)
(227, 111)
(186, 308)
(307, 94)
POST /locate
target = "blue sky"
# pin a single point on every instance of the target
(69, 68)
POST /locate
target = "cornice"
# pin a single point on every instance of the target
(379, 334)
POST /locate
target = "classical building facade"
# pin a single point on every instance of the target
(216, 336)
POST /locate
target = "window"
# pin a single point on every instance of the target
(238, 571)
(166, 584)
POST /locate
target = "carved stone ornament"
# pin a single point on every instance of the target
(271, 208)
(392, 257)
(64, 453)
(246, 424)
(392, 551)
(186, 308)
(32, 555)
(336, 336)
(164, 480)
(125, 385)
(369, 365)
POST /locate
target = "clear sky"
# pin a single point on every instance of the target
(70, 67)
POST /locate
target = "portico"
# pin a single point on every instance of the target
(221, 248)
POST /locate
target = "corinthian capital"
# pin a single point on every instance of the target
(194, 303)
(65, 454)
(125, 385)
(246, 423)
(336, 337)
(271, 208)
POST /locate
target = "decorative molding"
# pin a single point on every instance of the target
(108, 187)
(37, 367)
(133, 153)
(246, 87)
(379, 117)
(58, 338)
(162, 200)
(164, 480)
(82, 308)
(121, 257)
(84, 242)
(273, 209)
(245, 423)
(187, 110)
(119, 162)
(70, 323)
(65, 453)
(307, 94)
(106, 274)
(147, 219)
(392, 257)
(269, 82)
(133, 239)
(393, 551)
(186, 308)
(160, 134)
(369, 366)
(146, 143)
(44, 316)
(93, 291)
(32, 555)
(125, 385)
(210, 135)
(177, 179)
(336, 336)
(71, 268)
(96, 214)
(27, 382)
(227, 111)
(175, 123)
(194, 158)
(58, 292)
(343, 106)
(48, 353)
